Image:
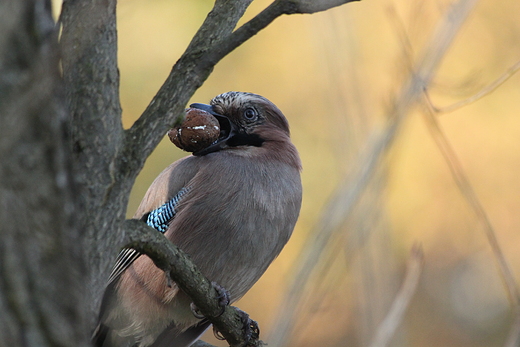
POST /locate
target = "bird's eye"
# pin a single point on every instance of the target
(250, 114)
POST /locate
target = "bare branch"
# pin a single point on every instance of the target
(214, 40)
(469, 194)
(312, 6)
(394, 317)
(188, 74)
(485, 91)
(264, 18)
(177, 264)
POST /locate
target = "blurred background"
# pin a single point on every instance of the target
(336, 76)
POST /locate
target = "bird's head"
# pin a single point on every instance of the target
(245, 119)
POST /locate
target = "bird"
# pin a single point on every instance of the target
(231, 207)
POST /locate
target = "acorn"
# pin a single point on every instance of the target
(199, 130)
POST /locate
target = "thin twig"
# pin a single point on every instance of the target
(485, 91)
(348, 194)
(264, 18)
(400, 31)
(469, 194)
(395, 316)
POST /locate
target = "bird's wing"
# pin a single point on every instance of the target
(159, 206)
(167, 191)
(158, 219)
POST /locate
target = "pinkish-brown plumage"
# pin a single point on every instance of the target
(242, 202)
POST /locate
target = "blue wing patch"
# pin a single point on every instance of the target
(159, 219)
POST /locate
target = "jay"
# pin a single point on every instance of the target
(231, 207)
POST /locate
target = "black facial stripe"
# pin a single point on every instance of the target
(242, 139)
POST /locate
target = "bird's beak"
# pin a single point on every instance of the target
(227, 130)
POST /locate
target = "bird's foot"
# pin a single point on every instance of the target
(196, 312)
(223, 297)
(218, 335)
(250, 329)
(223, 301)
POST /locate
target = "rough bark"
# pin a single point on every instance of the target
(40, 263)
(91, 79)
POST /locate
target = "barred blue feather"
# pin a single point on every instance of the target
(159, 219)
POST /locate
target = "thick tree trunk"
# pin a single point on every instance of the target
(40, 248)
(91, 80)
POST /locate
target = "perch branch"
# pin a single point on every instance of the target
(200, 343)
(177, 264)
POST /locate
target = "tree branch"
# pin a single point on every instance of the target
(483, 92)
(187, 75)
(214, 40)
(311, 6)
(469, 194)
(181, 269)
(264, 18)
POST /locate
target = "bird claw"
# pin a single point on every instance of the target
(218, 335)
(250, 327)
(195, 311)
(223, 301)
(223, 297)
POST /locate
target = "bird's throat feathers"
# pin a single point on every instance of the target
(273, 144)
